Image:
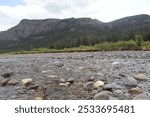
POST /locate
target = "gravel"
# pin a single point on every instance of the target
(114, 67)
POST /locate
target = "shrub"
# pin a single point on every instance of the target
(139, 40)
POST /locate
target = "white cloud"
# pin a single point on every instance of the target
(105, 10)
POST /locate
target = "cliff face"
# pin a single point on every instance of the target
(52, 32)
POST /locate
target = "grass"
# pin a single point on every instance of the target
(106, 46)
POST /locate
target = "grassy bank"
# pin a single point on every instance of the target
(107, 46)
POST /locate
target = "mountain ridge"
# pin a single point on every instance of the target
(72, 32)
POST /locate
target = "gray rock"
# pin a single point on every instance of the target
(117, 64)
(141, 97)
(119, 94)
(130, 81)
(54, 79)
(71, 80)
(13, 82)
(113, 98)
(88, 86)
(91, 78)
(62, 80)
(104, 95)
(59, 64)
(34, 87)
(112, 86)
(140, 77)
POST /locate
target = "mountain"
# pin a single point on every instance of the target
(61, 33)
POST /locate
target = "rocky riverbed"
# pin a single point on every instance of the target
(114, 75)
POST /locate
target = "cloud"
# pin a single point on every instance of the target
(105, 10)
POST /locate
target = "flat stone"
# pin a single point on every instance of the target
(135, 91)
(98, 84)
(141, 97)
(104, 95)
(140, 77)
(26, 81)
(71, 80)
(88, 86)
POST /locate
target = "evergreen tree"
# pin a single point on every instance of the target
(139, 40)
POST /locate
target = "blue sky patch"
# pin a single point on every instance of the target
(10, 2)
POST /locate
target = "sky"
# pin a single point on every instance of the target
(12, 11)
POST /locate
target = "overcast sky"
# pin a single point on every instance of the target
(12, 11)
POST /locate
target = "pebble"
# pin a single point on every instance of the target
(46, 71)
(26, 81)
(46, 74)
(141, 97)
(38, 98)
(104, 95)
(64, 84)
(119, 94)
(116, 64)
(135, 91)
(98, 84)
(59, 64)
(91, 78)
(140, 77)
(88, 86)
(62, 80)
(71, 80)
(52, 76)
(4, 82)
(13, 82)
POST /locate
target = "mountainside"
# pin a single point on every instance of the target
(61, 33)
